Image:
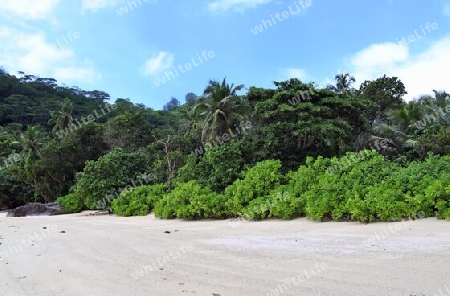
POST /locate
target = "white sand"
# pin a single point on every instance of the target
(107, 255)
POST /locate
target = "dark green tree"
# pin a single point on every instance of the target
(383, 94)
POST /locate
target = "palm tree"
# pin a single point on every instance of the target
(30, 141)
(394, 137)
(437, 105)
(193, 120)
(62, 119)
(441, 99)
(220, 107)
(390, 140)
(343, 83)
(406, 117)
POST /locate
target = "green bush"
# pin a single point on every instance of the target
(258, 181)
(71, 203)
(361, 186)
(435, 138)
(439, 193)
(280, 203)
(101, 181)
(226, 163)
(443, 210)
(416, 177)
(191, 201)
(405, 192)
(191, 170)
(286, 205)
(138, 201)
(298, 183)
(327, 198)
(13, 193)
(216, 169)
(380, 203)
(366, 187)
(258, 208)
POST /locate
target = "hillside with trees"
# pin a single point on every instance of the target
(340, 152)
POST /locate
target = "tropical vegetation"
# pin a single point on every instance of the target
(343, 153)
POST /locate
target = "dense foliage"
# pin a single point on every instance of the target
(258, 181)
(71, 203)
(192, 201)
(369, 188)
(338, 152)
(103, 180)
(138, 201)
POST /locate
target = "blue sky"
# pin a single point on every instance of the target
(123, 48)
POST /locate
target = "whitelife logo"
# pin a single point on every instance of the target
(412, 37)
(158, 263)
(220, 140)
(184, 68)
(302, 97)
(85, 120)
(129, 7)
(71, 36)
(9, 251)
(144, 179)
(285, 14)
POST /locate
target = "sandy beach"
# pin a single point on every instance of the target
(107, 255)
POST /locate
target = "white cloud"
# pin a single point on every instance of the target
(421, 73)
(29, 9)
(95, 5)
(288, 73)
(378, 57)
(236, 5)
(32, 54)
(77, 73)
(163, 61)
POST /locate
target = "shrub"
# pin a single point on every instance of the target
(216, 169)
(280, 203)
(101, 180)
(191, 170)
(138, 201)
(258, 208)
(358, 186)
(424, 183)
(226, 163)
(286, 205)
(434, 139)
(443, 210)
(439, 193)
(381, 202)
(328, 196)
(405, 192)
(191, 201)
(374, 189)
(298, 183)
(13, 193)
(258, 181)
(71, 203)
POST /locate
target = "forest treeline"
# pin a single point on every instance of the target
(294, 150)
